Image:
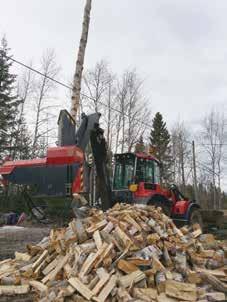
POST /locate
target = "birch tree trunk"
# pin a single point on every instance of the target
(80, 61)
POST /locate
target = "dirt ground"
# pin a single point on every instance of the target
(13, 238)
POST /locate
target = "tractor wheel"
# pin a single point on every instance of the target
(196, 217)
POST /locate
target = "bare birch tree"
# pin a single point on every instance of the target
(80, 61)
(25, 87)
(134, 113)
(96, 83)
(25, 90)
(99, 95)
(42, 96)
(212, 143)
(181, 148)
(109, 112)
(121, 103)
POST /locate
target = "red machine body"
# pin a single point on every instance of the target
(59, 157)
(64, 170)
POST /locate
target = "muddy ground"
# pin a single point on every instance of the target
(13, 238)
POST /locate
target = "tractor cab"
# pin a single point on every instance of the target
(136, 177)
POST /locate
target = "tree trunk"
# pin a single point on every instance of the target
(80, 61)
(109, 116)
(118, 126)
(38, 116)
(183, 172)
(214, 186)
(123, 131)
(219, 197)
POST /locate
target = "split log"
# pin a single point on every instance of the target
(126, 267)
(40, 259)
(50, 266)
(132, 278)
(22, 256)
(78, 228)
(146, 294)
(81, 288)
(11, 280)
(97, 238)
(212, 280)
(124, 239)
(107, 289)
(104, 277)
(51, 276)
(160, 280)
(38, 286)
(14, 289)
(163, 298)
(91, 261)
(97, 226)
(215, 296)
(182, 291)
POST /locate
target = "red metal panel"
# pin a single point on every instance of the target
(9, 166)
(64, 155)
(55, 156)
(142, 192)
(180, 207)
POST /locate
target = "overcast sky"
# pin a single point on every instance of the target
(179, 47)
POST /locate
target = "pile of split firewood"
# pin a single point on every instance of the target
(129, 253)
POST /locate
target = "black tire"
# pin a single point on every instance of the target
(195, 217)
(162, 202)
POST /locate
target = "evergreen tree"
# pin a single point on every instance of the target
(160, 146)
(23, 149)
(9, 103)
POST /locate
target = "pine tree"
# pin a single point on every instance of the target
(9, 103)
(160, 145)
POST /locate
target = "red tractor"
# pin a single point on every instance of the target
(137, 179)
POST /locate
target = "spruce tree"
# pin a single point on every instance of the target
(9, 103)
(160, 146)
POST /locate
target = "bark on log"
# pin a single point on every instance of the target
(80, 60)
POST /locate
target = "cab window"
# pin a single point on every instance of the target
(124, 172)
(156, 173)
(145, 170)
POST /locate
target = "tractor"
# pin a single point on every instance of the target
(137, 179)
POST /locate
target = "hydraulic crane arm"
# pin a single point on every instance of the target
(89, 131)
(66, 129)
(99, 150)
